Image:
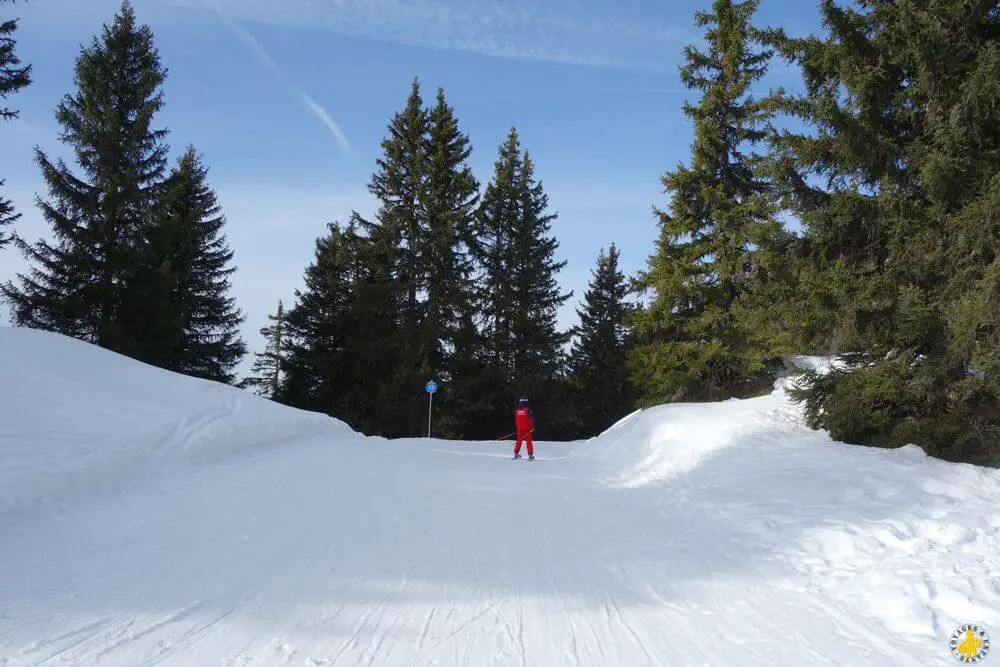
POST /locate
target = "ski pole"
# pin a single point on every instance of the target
(504, 437)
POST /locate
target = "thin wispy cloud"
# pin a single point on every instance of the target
(254, 44)
(645, 89)
(596, 32)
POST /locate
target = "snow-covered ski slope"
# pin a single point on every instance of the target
(151, 519)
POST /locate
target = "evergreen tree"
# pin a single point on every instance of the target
(896, 187)
(417, 271)
(521, 297)
(398, 239)
(449, 207)
(411, 282)
(85, 284)
(690, 345)
(190, 253)
(493, 251)
(385, 388)
(538, 344)
(320, 363)
(13, 77)
(266, 373)
(598, 370)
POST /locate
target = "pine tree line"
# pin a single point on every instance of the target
(893, 182)
(138, 263)
(890, 271)
(448, 281)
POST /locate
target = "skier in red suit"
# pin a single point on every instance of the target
(524, 422)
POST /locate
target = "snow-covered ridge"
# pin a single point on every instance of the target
(76, 418)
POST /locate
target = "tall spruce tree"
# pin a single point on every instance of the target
(896, 187)
(690, 345)
(521, 297)
(189, 253)
(398, 240)
(493, 251)
(418, 278)
(84, 285)
(267, 371)
(449, 207)
(598, 362)
(13, 77)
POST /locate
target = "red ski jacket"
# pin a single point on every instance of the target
(523, 418)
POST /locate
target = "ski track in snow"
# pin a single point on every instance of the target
(722, 534)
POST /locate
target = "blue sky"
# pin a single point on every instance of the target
(287, 100)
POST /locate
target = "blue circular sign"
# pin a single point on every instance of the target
(431, 387)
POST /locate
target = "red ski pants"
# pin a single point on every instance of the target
(526, 437)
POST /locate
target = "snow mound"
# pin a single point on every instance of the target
(77, 418)
(669, 441)
(890, 534)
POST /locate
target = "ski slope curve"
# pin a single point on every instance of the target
(712, 534)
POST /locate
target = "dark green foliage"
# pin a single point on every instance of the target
(447, 329)
(319, 327)
(880, 394)
(399, 260)
(8, 216)
(494, 252)
(466, 399)
(406, 313)
(190, 255)
(138, 264)
(13, 77)
(385, 386)
(793, 308)
(520, 296)
(690, 344)
(601, 392)
(267, 375)
(897, 187)
(84, 285)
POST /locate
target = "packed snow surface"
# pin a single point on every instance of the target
(150, 519)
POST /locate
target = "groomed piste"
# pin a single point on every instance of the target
(147, 518)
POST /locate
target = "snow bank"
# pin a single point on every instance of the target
(892, 535)
(668, 441)
(78, 418)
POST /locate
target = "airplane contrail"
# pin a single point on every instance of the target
(324, 116)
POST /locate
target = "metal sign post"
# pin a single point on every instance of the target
(430, 388)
